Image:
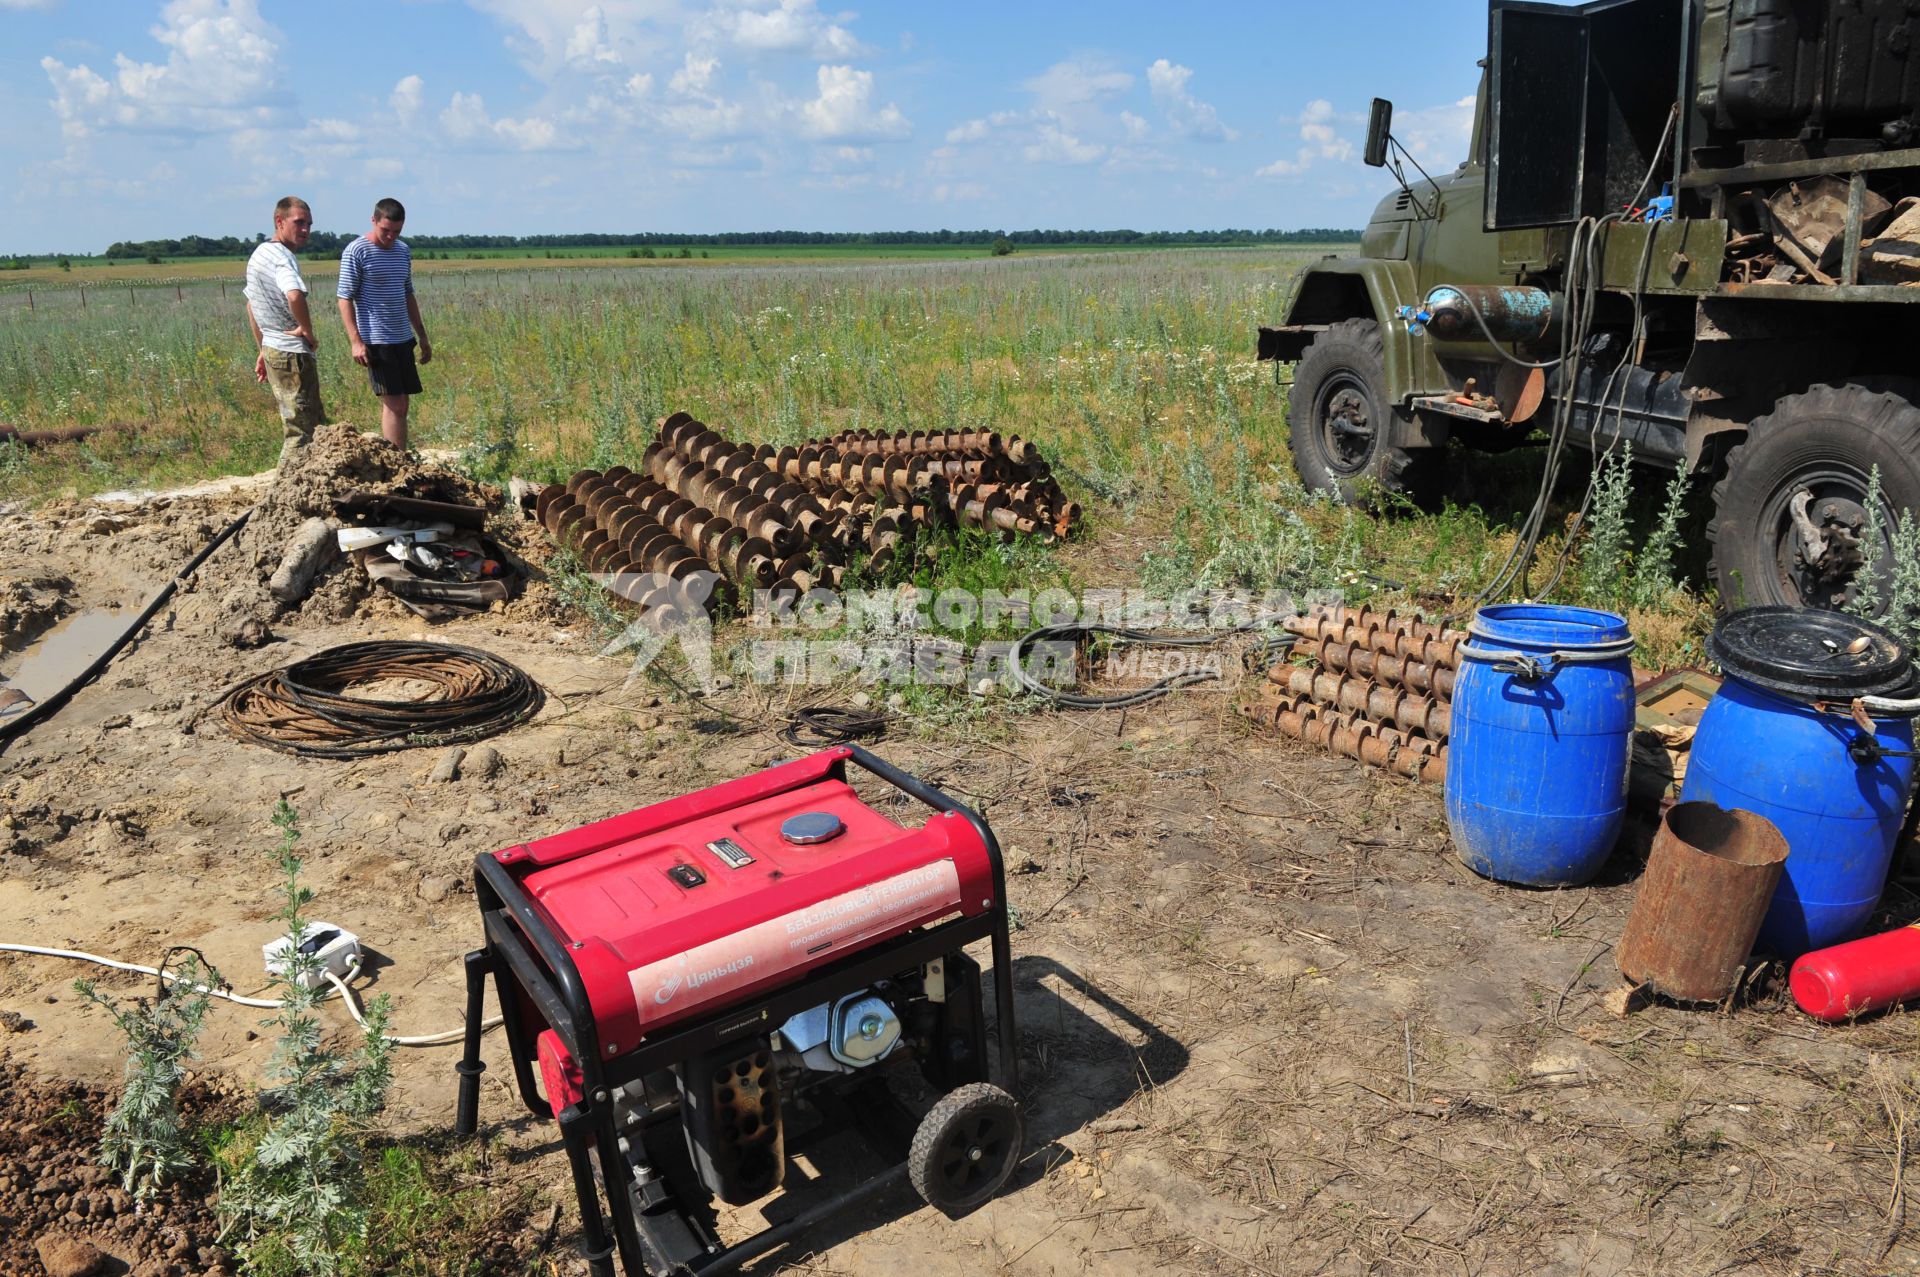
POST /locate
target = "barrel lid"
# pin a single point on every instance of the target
(1810, 653)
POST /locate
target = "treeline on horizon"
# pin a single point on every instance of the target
(330, 244)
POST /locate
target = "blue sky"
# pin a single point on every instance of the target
(134, 119)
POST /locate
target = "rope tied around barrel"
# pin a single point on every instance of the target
(307, 709)
(1531, 667)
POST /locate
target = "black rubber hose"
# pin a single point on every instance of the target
(1078, 632)
(46, 709)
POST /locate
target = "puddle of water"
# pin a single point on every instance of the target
(60, 656)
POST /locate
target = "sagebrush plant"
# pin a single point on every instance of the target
(1903, 594)
(144, 1142)
(1866, 600)
(298, 1189)
(1603, 570)
(1653, 568)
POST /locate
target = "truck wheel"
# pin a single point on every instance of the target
(1340, 424)
(1790, 513)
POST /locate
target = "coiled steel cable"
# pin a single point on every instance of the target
(307, 708)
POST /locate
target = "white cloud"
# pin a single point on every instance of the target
(1186, 113)
(222, 73)
(1321, 139)
(1075, 83)
(589, 41)
(784, 26)
(1054, 145)
(1137, 128)
(554, 38)
(1437, 135)
(466, 120)
(406, 98)
(28, 4)
(695, 75)
(844, 109)
(971, 131)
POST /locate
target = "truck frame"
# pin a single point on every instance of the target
(1691, 225)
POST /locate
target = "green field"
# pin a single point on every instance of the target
(1133, 370)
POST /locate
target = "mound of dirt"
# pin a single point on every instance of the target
(63, 1214)
(29, 604)
(233, 587)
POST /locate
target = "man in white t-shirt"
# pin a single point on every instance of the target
(283, 326)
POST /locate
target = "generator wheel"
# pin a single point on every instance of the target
(1790, 512)
(1340, 424)
(966, 1148)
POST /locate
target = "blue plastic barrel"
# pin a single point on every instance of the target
(1779, 739)
(1537, 757)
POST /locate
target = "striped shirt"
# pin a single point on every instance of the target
(272, 273)
(379, 281)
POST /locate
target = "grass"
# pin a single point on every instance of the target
(432, 1212)
(1132, 370)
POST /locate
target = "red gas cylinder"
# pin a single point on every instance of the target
(1859, 976)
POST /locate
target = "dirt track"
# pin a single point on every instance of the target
(1268, 1023)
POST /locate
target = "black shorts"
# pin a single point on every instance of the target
(391, 369)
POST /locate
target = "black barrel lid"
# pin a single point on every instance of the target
(1810, 653)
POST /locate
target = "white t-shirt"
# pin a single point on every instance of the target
(273, 272)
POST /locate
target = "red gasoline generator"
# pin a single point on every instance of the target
(707, 985)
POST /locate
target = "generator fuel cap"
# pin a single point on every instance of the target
(811, 827)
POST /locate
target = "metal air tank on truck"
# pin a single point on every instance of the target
(1693, 225)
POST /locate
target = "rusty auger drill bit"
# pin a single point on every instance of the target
(1381, 667)
(1376, 633)
(1381, 702)
(1337, 733)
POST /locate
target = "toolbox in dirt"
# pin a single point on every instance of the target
(700, 989)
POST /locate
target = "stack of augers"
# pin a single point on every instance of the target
(1379, 688)
(790, 519)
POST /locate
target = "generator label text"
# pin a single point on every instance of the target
(719, 967)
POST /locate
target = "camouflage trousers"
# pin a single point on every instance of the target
(295, 382)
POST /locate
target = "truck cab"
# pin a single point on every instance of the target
(1685, 224)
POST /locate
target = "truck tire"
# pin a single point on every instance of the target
(1340, 424)
(1825, 442)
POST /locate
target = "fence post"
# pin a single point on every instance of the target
(30, 305)
(83, 299)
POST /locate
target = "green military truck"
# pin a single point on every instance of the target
(1691, 225)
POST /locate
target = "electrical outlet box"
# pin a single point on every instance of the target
(335, 949)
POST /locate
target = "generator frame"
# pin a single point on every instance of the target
(531, 965)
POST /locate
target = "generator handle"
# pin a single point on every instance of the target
(914, 787)
(562, 977)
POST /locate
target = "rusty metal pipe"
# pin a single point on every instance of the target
(1380, 702)
(1382, 667)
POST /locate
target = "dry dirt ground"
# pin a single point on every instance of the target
(1268, 1023)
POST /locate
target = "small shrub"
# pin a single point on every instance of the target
(1002, 247)
(143, 1142)
(1867, 601)
(297, 1186)
(1653, 579)
(1604, 559)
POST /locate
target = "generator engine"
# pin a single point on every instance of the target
(701, 985)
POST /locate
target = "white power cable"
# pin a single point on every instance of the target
(266, 1004)
(423, 1039)
(74, 955)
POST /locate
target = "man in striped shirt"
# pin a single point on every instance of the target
(382, 318)
(283, 327)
